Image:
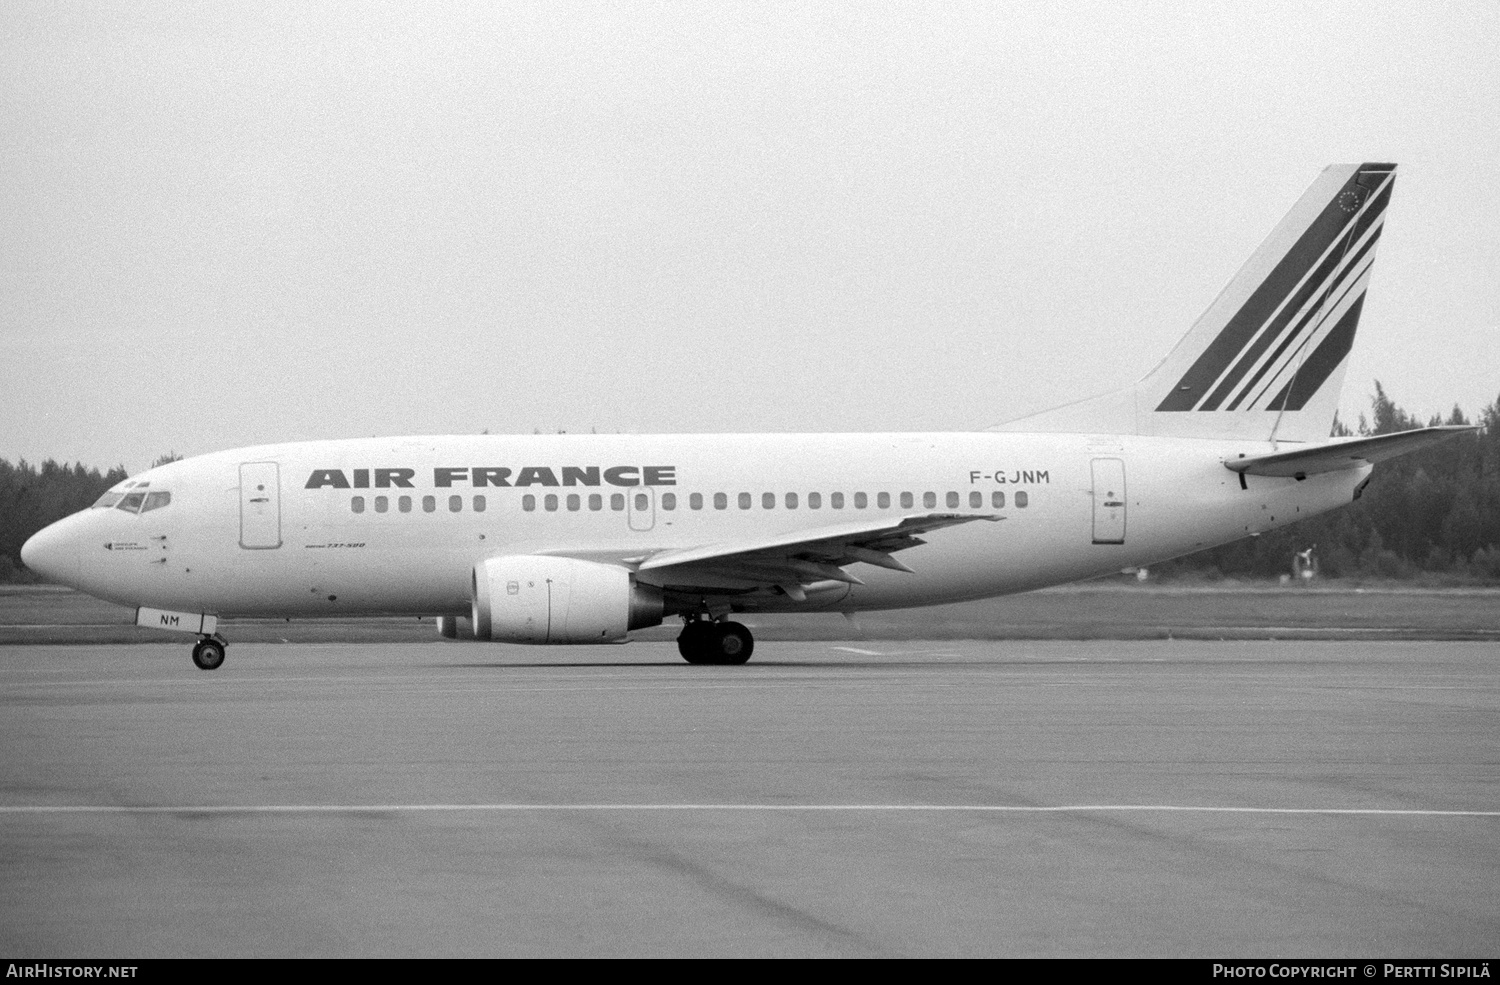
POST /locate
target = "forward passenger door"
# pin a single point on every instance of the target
(260, 506)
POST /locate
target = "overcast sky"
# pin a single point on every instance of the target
(227, 224)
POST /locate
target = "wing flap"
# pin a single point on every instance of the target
(803, 557)
(1344, 453)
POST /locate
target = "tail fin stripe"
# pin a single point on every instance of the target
(1332, 315)
(1281, 366)
(1323, 233)
(1314, 282)
(1217, 356)
(1321, 364)
(1346, 280)
(1312, 286)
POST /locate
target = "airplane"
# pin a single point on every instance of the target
(581, 539)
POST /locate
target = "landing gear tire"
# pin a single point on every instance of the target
(732, 643)
(721, 643)
(208, 654)
(693, 644)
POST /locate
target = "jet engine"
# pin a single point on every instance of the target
(531, 598)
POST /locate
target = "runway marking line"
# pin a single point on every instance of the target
(768, 808)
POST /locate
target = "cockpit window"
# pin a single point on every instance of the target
(132, 502)
(106, 501)
(155, 501)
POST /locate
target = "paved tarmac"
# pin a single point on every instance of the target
(1161, 798)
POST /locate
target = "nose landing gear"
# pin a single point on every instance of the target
(723, 643)
(208, 652)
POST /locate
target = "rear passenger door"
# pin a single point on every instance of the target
(1109, 501)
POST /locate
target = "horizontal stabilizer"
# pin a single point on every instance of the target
(1344, 453)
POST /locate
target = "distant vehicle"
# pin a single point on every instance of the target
(583, 538)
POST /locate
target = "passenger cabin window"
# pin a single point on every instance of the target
(455, 503)
(382, 503)
(549, 502)
(836, 500)
(596, 502)
(357, 504)
(929, 499)
(997, 500)
(744, 501)
(883, 501)
(1021, 500)
(575, 503)
(669, 501)
(814, 501)
(953, 501)
(721, 501)
(768, 501)
(404, 504)
(528, 503)
(642, 502)
(429, 503)
(906, 501)
(479, 504)
(695, 501)
(791, 501)
(976, 500)
(617, 502)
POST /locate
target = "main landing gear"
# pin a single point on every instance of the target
(704, 642)
(208, 653)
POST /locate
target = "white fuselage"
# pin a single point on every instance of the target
(390, 526)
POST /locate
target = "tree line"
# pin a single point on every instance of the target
(1433, 514)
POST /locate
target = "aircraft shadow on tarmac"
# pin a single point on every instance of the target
(843, 664)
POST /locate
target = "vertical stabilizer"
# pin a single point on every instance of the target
(1267, 359)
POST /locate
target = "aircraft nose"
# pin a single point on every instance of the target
(52, 552)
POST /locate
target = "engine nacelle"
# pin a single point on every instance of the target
(532, 598)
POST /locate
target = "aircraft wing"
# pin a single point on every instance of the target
(791, 561)
(1343, 453)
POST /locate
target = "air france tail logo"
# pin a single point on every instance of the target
(482, 476)
(1296, 327)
